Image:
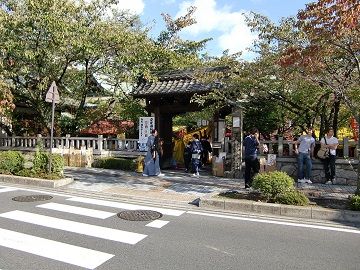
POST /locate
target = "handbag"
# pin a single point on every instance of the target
(323, 152)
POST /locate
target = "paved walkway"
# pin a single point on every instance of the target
(176, 185)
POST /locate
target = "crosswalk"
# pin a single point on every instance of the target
(46, 215)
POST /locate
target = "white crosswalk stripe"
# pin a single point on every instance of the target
(77, 210)
(79, 256)
(76, 255)
(127, 206)
(75, 227)
(7, 189)
(157, 223)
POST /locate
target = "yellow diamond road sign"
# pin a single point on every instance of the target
(52, 94)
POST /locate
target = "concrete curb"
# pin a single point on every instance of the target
(35, 181)
(307, 212)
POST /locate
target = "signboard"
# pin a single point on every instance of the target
(52, 94)
(146, 124)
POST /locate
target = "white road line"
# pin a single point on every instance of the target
(79, 256)
(320, 227)
(76, 227)
(77, 210)
(43, 192)
(157, 224)
(127, 206)
(7, 189)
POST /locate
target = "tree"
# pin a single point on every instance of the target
(6, 106)
(332, 27)
(85, 49)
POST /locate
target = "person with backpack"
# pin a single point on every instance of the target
(152, 164)
(196, 150)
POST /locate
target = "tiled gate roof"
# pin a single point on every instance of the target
(176, 82)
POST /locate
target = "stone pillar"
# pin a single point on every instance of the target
(280, 146)
(100, 144)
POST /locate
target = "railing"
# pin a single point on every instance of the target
(99, 144)
(346, 148)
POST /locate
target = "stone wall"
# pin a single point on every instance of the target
(346, 170)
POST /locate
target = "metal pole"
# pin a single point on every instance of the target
(241, 139)
(52, 131)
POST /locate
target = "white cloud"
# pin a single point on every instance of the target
(134, 6)
(228, 28)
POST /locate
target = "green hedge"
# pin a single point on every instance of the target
(41, 162)
(292, 197)
(115, 163)
(355, 202)
(273, 183)
(11, 162)
(279, 187)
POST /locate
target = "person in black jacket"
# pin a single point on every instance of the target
(206, 150)
(196, 150)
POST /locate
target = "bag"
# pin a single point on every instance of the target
(323, 153)
(195, 156)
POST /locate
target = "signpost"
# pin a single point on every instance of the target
(52, 96)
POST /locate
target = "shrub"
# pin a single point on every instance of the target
(292, 197)
(57, 164)
(115, 163)
(11, 161)
(355, 202)
(272, 184)
(41, 162)
(34, 174)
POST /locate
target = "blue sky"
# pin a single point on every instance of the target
(221, 20)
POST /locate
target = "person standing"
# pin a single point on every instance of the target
(304, 148)
(152, 165)
(187, 157)
(252, 164)
(206, 150)
(196, 149)
(330, 142)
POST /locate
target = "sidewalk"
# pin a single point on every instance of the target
(177, 185)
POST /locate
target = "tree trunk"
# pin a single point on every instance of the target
(335, 121)
(358, 152)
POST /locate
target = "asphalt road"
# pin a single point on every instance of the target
(66, 233)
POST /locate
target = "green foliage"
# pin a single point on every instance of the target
(292, 197)
(355, 202)
(115, 163)
(33, 174)
(41, 162)
(273, 183)
(11, 161)
(279, 187)
(63, 41)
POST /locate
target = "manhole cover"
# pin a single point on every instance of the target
(139, 215)
(32, 198)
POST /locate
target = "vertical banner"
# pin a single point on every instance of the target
(146, 124)
(355, 127)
